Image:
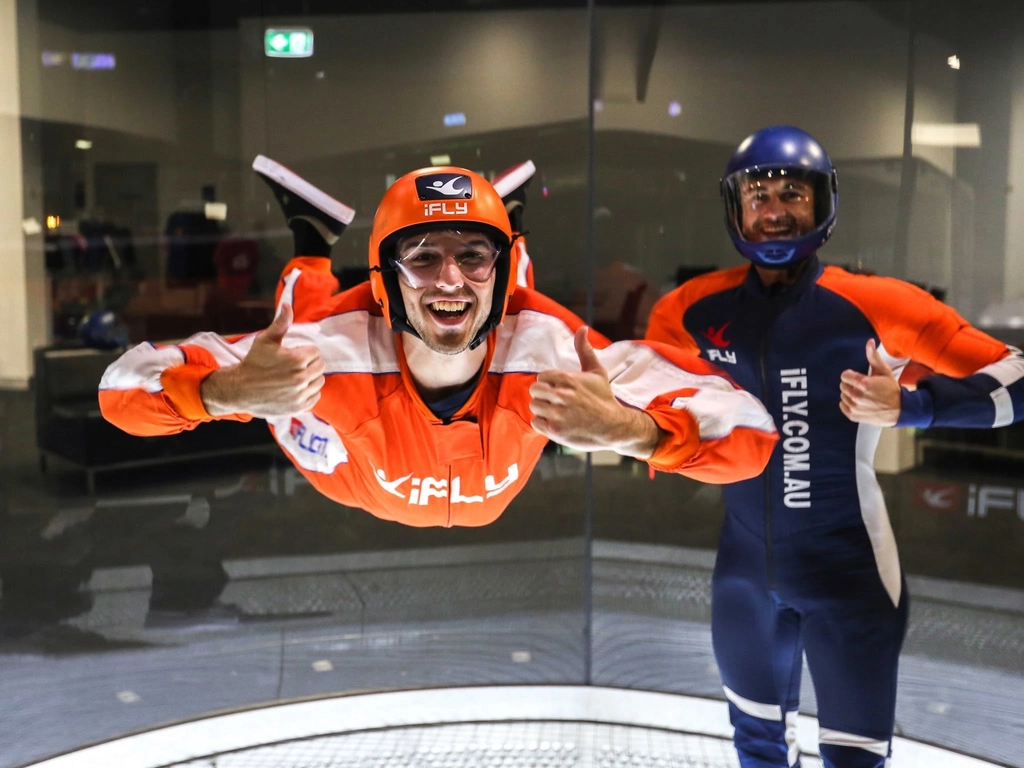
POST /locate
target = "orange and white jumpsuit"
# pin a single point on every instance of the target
(372, 442)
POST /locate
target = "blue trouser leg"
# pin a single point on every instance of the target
(828, 600)
(758, 650)
(853, 655)
(852, 633)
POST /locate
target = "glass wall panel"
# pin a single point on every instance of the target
(897, 94)
(148, 580)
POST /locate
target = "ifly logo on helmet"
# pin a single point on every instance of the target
(444, 186)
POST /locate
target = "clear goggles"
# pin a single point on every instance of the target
(421, 260)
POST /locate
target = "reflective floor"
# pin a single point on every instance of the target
(183, 590)
(528, 726)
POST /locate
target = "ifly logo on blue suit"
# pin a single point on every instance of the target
(796, 444)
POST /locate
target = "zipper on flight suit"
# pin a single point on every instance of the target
(766, 399)
(448, 522)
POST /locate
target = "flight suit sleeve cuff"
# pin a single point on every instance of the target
(181, 387)
(917, 408)
(680, 444)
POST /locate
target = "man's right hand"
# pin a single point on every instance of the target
(271, 380)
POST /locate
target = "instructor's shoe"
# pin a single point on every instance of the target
(302, 202)
(214, 617)
(511, 184)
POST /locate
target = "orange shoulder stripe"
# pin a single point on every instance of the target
(666, 321)
(912, 323)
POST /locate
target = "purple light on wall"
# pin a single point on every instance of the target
(54, 58)
(93, 60)
(674, 109)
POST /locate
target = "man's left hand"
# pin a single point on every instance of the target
(872, 399)
(578, 409)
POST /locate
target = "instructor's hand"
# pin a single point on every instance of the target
(272, 380)
(577, 409)
(872, 399)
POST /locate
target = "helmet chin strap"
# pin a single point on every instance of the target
(400, 325)
(484, 332)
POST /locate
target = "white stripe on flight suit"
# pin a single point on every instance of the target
(872, 502)
(140, 368)
(840, 739)
(792, 745)
(771, 712)
(1004, 407)
(352, 342)
(523, 268)
(874, 514)
(637, 374)
(1008, 370)
(288, 294)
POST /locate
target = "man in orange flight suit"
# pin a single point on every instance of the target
(426, 395)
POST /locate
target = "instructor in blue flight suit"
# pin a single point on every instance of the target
(807, 562)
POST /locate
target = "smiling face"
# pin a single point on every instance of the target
(776, 209)
(447, 309)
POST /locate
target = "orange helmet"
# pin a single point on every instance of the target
(444, 197)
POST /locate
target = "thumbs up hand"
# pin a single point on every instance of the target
(272, 380)
(578, 409)
(588, 357)
(873, 398)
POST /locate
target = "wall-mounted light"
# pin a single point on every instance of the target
(216, 211)
(83, 144)
(953, 61)
(440, 160)
(54, 58)
(91, 61)
(946, 134)
(454, 118)
(674, 109)
(52, 222)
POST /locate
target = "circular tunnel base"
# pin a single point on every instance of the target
(549, 726)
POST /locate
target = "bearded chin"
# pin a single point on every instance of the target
(457, 344)
(444, 350)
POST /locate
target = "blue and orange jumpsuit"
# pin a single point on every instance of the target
(807, 562)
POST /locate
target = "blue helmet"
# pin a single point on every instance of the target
(780, 161)
(100, 330)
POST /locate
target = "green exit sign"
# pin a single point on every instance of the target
(288, 43)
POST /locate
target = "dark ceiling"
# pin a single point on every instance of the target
(107, 15)
(942, 18)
